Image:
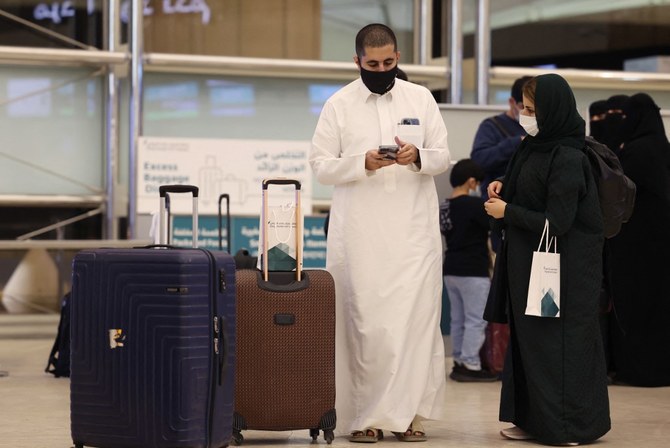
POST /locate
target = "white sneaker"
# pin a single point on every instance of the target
(515, 433)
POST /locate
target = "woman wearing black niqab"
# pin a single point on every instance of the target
(597, 116)
(554, 380)
(611, 129)
(640, 265)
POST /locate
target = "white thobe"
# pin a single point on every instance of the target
(385, 254)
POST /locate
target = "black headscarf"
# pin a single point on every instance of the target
(642, 118)
(645, 154)
(558, 121)
(598, 107)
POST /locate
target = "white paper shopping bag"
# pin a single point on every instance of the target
(544, 286)
(281, 227)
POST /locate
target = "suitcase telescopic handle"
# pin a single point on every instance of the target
(177, 188)
(298, 225)
(225, 196)
(281, 181)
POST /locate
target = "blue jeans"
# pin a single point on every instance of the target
(467, 296)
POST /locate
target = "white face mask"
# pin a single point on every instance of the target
(476, 192)
(517, 113)
(529, 124)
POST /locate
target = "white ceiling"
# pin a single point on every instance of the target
(503, 13)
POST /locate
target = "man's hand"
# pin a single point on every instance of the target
(374, 160)
(407, 154)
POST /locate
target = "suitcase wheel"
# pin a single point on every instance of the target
(328, 435)
(314, 433)
(238, 438)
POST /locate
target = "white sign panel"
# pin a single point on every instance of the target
(60, 10)
(216, 166)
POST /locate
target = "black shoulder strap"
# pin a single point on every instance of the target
(500, 126)
(58, 363)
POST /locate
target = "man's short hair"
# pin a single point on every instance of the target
(464, 170)
(517, 88)
(374, 35)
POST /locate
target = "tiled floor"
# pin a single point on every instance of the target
(34, 406)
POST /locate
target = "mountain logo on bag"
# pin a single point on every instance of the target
(279, 258)
(548, 304)
(116, 338)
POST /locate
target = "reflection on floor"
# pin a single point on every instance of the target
(35, 413)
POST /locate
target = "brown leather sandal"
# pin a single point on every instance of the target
(370, 435)
(415, 433)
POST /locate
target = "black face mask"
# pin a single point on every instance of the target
(379, 82)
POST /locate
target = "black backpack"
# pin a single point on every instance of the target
(59, 358)
(615, 189)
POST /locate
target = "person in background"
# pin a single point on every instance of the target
(465, 226)
(498, 137)
(611, 135)
(496, 140)
(640, 335)
(597, 127)
(597, 116)
(554, 379)
(384, 244)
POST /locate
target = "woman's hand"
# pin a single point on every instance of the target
(495, 207)
(494, 189)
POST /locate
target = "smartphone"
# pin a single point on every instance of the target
(389, 152)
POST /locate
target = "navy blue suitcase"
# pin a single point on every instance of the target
(153, 346)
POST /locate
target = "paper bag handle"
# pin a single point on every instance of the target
(546, 239)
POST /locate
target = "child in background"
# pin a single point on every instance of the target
(465, 226)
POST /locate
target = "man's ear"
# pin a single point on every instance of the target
(356, 61)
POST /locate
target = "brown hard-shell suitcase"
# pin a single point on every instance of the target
(285, 354)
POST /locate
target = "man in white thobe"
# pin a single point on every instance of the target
(384, 248)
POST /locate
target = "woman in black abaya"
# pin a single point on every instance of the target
(640, 324)
(554, 384)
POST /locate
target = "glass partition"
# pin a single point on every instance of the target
(52, 138)
(341, 20)
(51, 126)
